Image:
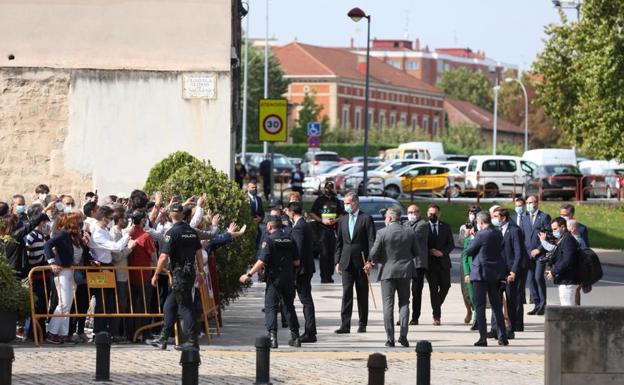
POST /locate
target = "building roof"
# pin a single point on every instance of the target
(299, 59)
(481, 117)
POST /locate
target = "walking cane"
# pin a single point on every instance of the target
(370, 287)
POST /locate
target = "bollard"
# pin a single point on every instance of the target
(263, 360)
(102, 356)
(6, 363)
(377, 366)
(190, 361)
(423, 363)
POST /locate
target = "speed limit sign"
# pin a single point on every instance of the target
(272, 124)
(272, 118)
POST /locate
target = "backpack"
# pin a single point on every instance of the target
(590, 269)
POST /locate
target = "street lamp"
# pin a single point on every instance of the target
(356, 14)
(569, 4)
(496, 89)
(526, 111)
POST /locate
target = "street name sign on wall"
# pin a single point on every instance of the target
(272, 120)
(199, 86)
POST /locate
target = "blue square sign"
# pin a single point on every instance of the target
(314, 129)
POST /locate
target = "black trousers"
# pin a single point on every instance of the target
(104, 303)
(492, 291)
(180, 302)
(439, 280)
(327, 242)
(417, 286)
(282, 287)
(353, 276)
(515, 307)
(304, 292)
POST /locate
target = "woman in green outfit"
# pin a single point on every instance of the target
(466, 233)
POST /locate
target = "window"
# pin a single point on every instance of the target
(527, 167)
(371, 115)
(437, 170)
(411, 65)
(490, 165)
(403, 120)
(425, 123)
(472, 166)
(435, 126)
(414, 122)
(392, 119)
(395, 63)
(415, 172)
(507, 165)
(382, 119)
(357, 124)
(345, 117)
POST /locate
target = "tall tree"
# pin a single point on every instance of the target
(583, 77)
(471, 86)
(255, 87)
(310, 112)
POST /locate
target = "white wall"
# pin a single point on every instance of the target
(122, 122)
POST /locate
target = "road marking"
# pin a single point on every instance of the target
(612, 282)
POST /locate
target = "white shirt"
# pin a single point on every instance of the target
(92, 222)
(102, 244)
(504, 228)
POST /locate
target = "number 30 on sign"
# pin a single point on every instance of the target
(272, 118)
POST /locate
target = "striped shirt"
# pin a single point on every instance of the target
(34, 248)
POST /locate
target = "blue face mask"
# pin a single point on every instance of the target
(530, 207)
(21, 209)
(348, 208)
(557, 234)
(519, 210)
(496, 222)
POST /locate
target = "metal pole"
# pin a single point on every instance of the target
(102, 356)
(526, 117)
(377, 366)
(495, 118)
(366, 120)
(245, 76)
(263, 360)
(266, 67)
(190, 361)
(7, 356)
(423, 363)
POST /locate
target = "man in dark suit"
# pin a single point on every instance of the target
(567, 212)
(565, 269)
(488, 269)
(534, 221)
(395, 249)
(516, 261)
(420, 228)
(257, 211)
(441, 244)
(354, 238)
(303, 237)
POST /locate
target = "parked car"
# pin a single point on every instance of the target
(317, 162)
(295, 161)
(354, 181)
(282, 168)
(415, 150)
(604, 177)
(556, 181)
(312, 183)
(544, 156)
(376, 207)
(430, 179)
(452, 158)
(497, 174)
(371, 159)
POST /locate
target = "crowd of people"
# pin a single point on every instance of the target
(114, 232)
(504, 253)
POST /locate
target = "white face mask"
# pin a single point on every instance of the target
(42, 197)
(412, 217)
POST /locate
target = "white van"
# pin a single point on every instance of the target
(421, 150)
(498, 174)
(546, 156)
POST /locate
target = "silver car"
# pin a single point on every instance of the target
(317, 162)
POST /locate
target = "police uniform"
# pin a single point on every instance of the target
(277, 252)
(181, 243)
(326, 207)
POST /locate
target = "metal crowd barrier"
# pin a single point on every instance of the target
(99, 278)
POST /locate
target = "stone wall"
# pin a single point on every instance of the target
(584, 346)
(34, 116)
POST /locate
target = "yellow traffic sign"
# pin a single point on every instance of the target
(272, 120)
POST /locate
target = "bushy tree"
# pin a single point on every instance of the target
(471, 86)
(582, 66)
(183, 174)
(462, 139)
(310, 112)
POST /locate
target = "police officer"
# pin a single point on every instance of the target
(182, 248)
(296, 180)
(326, 210)
(278, 256)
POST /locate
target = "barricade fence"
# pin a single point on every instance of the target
(132, 299)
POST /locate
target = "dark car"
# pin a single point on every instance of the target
(376, 207)
(556, 181)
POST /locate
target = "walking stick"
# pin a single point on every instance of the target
(370, 287)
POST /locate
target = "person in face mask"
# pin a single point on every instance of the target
(421, 262)
(326, 210)
(466, 233)
(519, 213)
(564, 271)
(19, 207)
(68, 203)
(257, 211)
(567, 212)
(440, 244)
(42, 193)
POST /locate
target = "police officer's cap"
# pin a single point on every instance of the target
(274, 219)
(295, 206)
(176, 208)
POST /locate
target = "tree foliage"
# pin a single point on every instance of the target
(185, 175)
(310, 112)
(583, 77)
(14, 298)
(471, 86)
(255, 86)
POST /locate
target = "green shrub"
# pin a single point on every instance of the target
(13, 296)
(183, 174)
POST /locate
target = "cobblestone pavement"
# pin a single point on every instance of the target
(335, 359)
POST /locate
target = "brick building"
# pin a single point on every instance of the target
(337, 75)
(462, 112)
(428, 65)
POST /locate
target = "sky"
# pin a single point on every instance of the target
(510, 31)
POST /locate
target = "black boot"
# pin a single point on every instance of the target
(273, 337)
(160, 342)
(294, 339)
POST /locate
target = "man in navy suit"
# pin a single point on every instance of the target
(565, 269)
(567, 212)
(488, 270)
(255, 203)
(533, 222)
(303, 237)
(516, 261)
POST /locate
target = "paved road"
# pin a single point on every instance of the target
(335, 359)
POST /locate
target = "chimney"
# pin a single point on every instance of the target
(417, 45)
(352, 43)
(361, 64)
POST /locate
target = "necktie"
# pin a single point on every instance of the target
(351, 225)
(435, 229)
